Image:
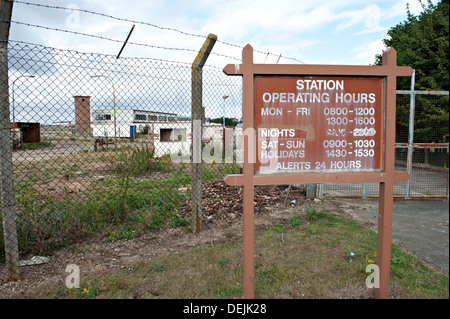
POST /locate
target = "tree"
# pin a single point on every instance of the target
(229, 122)
(422, 42)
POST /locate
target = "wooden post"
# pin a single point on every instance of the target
(248, 172)
(386, 189)
(197, 123)
(6, 168)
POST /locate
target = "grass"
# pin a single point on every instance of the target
(315, 255)
(119, 212)
(118, 208)
(140, 161)
(329, 262)
(35, 146)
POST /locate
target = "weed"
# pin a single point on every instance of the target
(294, 222)
(399, 260)
(223, 261)
(278, 229)
(128, 232)
(157, 267)
(35, 146)
(312, 215)
(351, 254)
(122, 211)
(84, 293)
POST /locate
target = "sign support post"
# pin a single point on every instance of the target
(366, 159)
(248, 169)
(386, 189)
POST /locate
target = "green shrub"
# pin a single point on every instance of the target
(141, 161)
(312, 215)
(122, 211)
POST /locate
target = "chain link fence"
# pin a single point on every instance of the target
(101, 152)
(422, 149)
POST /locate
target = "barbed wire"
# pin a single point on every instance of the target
(108, 16)
(112, 55)
(114, 40)
(154, 26)
(126, 63)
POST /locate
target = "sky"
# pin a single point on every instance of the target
(283, 31)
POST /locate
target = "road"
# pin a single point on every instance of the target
(425, 182)
(59, 149)
(420, 226)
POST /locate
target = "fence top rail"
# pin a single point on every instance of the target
(422, 92)
(423, 145)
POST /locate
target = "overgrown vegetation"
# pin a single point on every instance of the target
(121, 212)
(140, 194)
(117, 208)
(291, 261)
(35, 146)
(422, 43)
(141, 161)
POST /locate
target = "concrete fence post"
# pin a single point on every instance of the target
(6, 167)
(197, 125)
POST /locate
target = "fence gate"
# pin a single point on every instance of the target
(422, 150)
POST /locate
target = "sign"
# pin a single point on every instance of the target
(318, 124)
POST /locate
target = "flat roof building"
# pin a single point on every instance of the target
(128, 122)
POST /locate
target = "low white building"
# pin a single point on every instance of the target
(128, 122)
(175, 139)
(172, 138)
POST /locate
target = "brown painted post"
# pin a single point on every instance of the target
(249, 168)
(386, 189)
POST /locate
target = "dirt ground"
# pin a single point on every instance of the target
(222, 223)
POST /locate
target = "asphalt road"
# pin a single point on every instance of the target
(420, 226)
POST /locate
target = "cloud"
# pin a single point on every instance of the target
(27, 59)
(369, 17)
(365, 52)
(290, 27)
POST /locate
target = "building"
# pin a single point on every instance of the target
(82, 114)
(25, 132)
(128, 122)
(175, 139)
(170, 138)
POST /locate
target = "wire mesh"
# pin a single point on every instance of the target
(101, 152)
(430, 152)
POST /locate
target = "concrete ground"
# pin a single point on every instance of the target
(419, 226)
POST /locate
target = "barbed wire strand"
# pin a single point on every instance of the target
(105, 54)
(114, 40)
(147, 24)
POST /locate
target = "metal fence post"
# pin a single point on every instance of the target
(6, 168)
(197, 123)
(311, 190)
(364, 196)
(412, 104)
